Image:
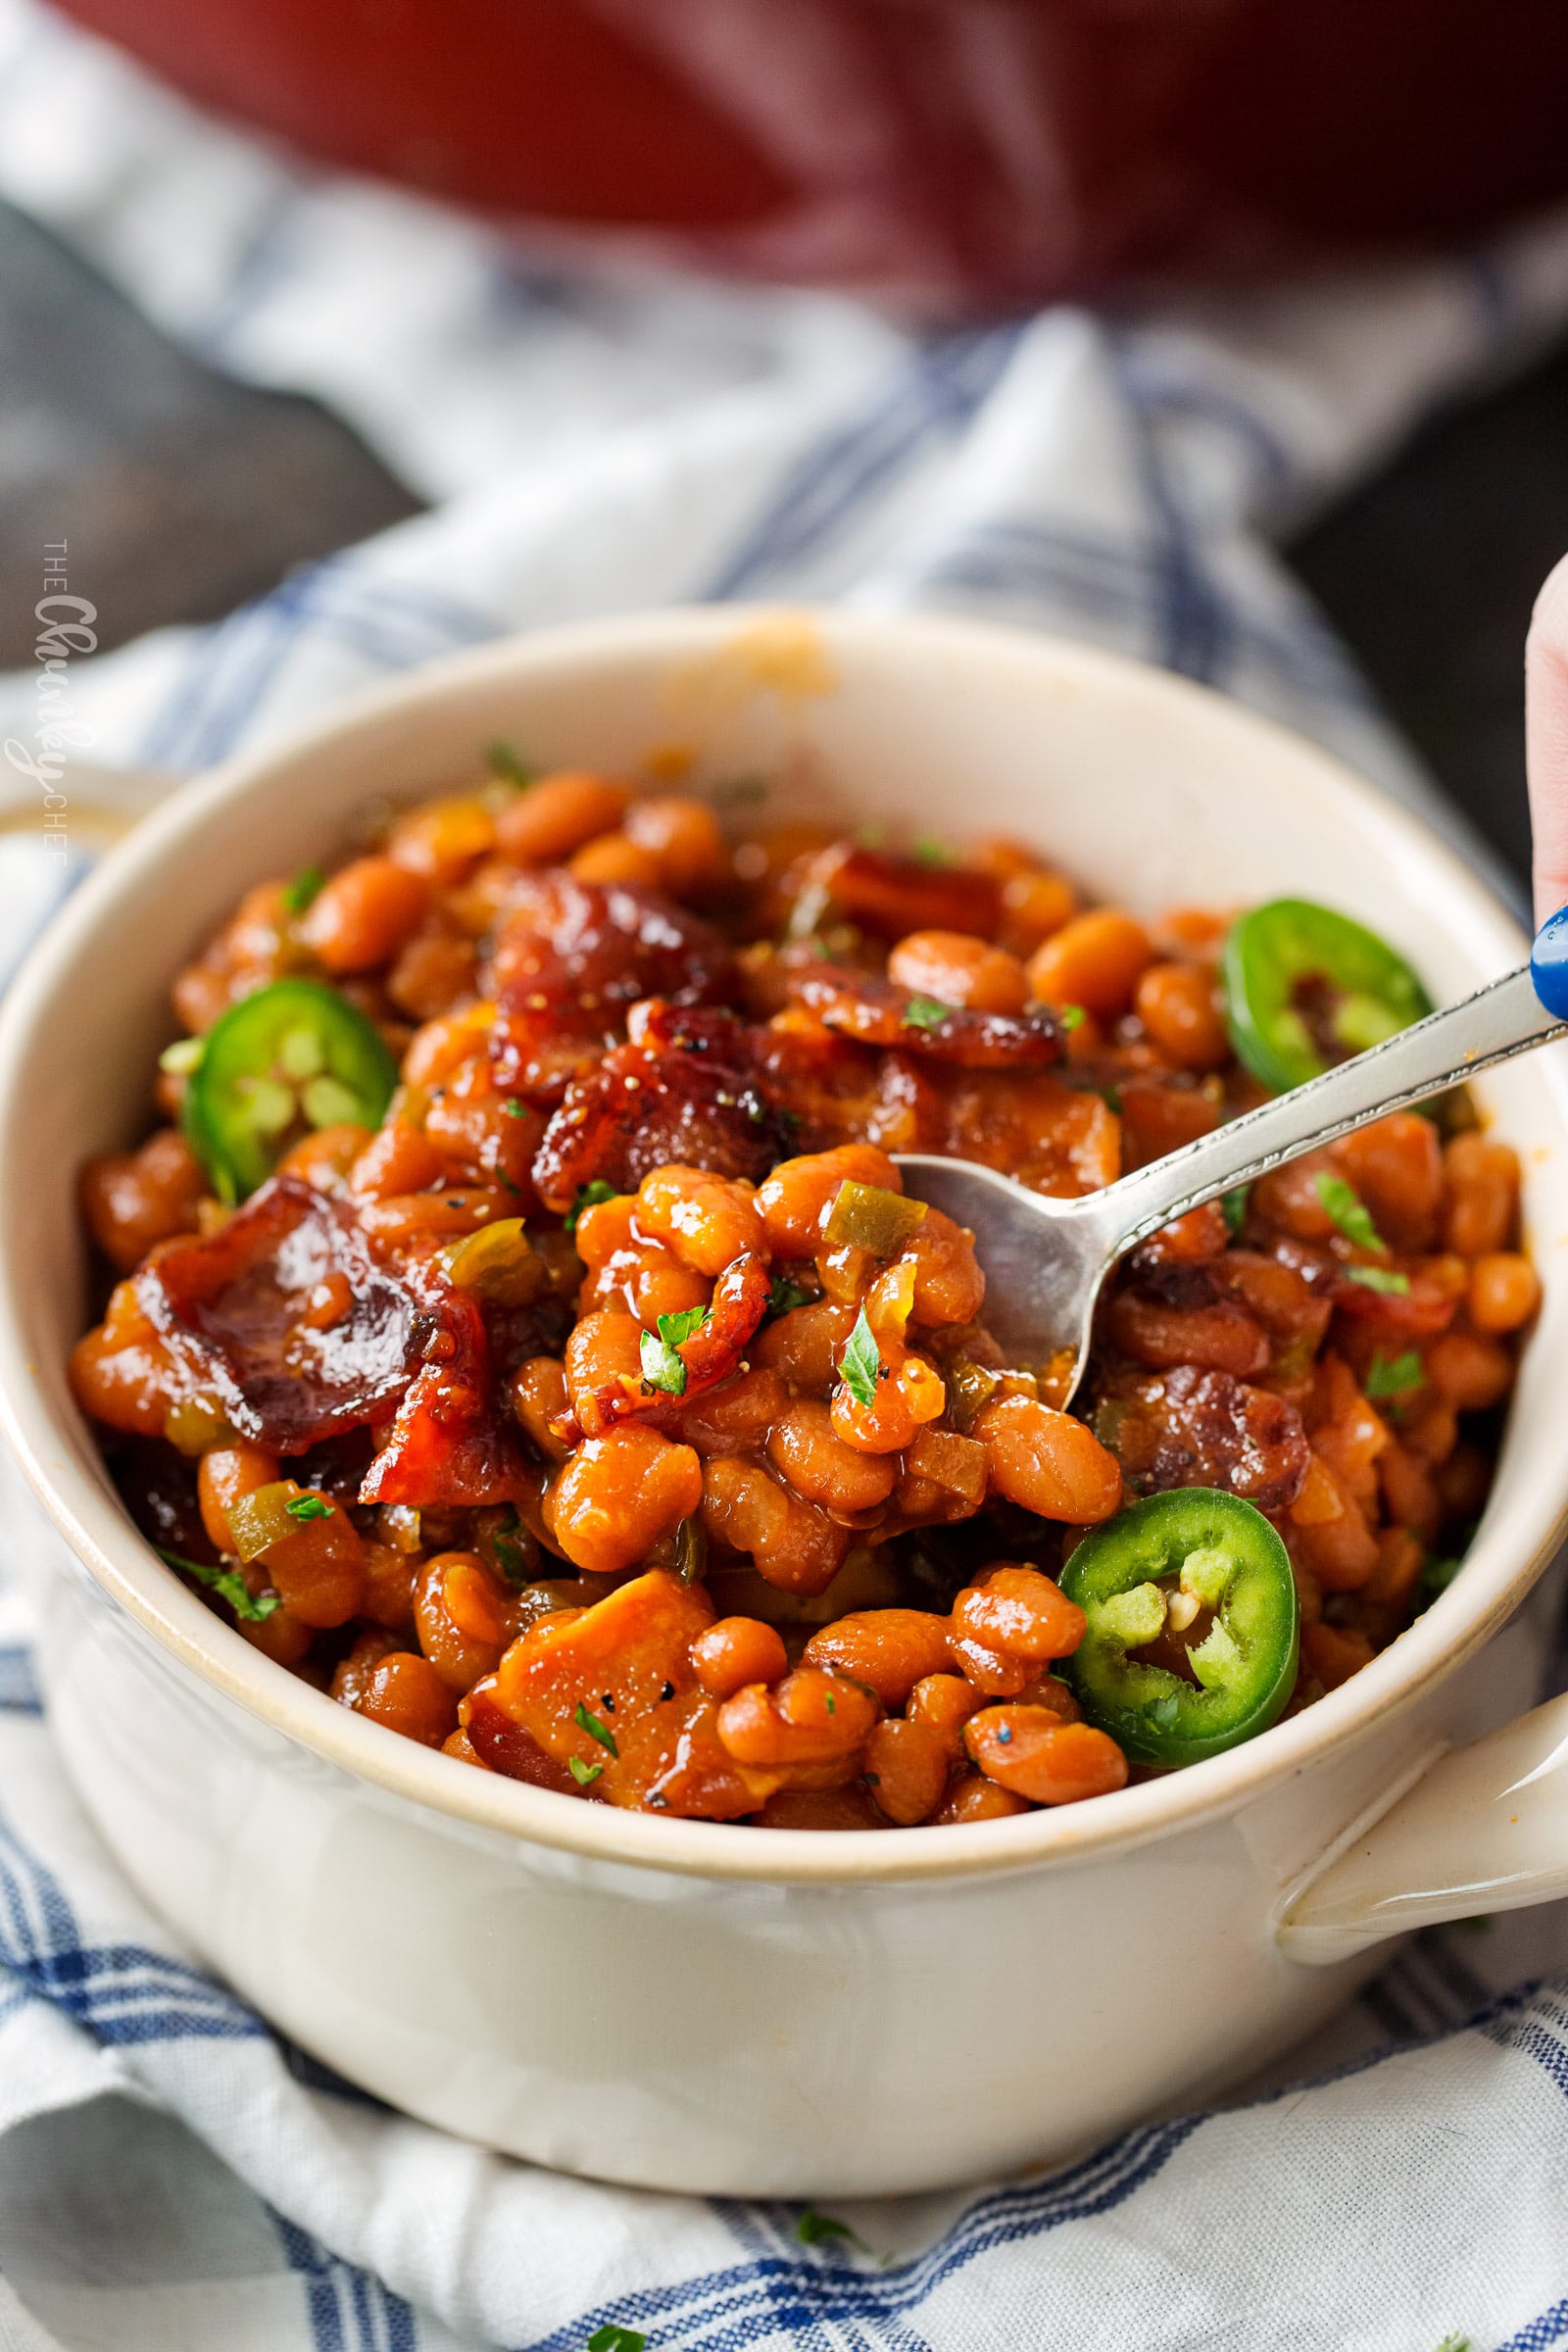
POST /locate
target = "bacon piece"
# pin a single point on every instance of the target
(545, 1039)
(709, 1355)
(894, 896)
(1429, 1305)
(232, 1309)
(1051, 1137)
(1176, 1316)
(571, 956)
(1396, 1318)
(683, 1088)
(235, 1310)
(626, 1661)
(689, 1772)
(1206, 1429)
(874, 1012)
(830, 1086)
(502, 1746)
(1295, 1315)
(446, 1446)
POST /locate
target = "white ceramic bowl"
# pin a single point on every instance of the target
(693, 2005)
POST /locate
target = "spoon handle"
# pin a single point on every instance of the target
(1504, 1018)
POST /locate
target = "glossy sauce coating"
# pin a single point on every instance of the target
(612, 1419)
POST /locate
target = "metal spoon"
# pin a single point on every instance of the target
(1046, 1259)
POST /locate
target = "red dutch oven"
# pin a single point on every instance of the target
(964, 152)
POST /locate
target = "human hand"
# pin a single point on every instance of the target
(1547, 741)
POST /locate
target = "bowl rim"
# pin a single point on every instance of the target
(84, 1511)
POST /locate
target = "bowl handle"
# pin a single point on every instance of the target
(1485, 1828)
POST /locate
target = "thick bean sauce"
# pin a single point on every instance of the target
(609, 1418)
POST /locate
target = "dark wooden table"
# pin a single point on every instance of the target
(183, 493)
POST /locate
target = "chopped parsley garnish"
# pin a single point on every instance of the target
(507, 1551)
(1235, 1206)
(929, 851)
(308, 884)
(589, 1196)
(860, 1364)
(502, 758)
(227, 1583)
(663, 1367)
(1345, 1208)
(595, 1729)
(925, 1012)
(783, 1296)
(813, 2227)
(308, 1506)
(583, 1774)
(1379, 1277)
(1454, 2343)
(1394, 1376)
(611, 2339)
(1071, 1017)
(515, 1109)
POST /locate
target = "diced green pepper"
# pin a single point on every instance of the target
(496, 1262)
(1199, 1561)
(866, 1216)
(264, 1517)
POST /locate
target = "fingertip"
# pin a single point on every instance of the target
(1548, 618)
(1547, 740)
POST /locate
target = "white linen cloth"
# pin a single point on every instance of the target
(597, 439)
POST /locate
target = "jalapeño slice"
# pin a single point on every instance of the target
(1306, 987)
(1191, 1640)
(291, 1058)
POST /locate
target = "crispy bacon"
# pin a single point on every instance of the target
(830, 1086)
(874, 1012)
(571, 956)
(709, 1355)
(233, 1310)
(1179, 1314)
(447, 1445)
(684, 1087)
(1427, 1305)
(237, 1312)
(1053, 1137)
(894, 896)
(503, 1747)
(1198, 1428)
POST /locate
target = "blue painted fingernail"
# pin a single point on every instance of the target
(1549, 964)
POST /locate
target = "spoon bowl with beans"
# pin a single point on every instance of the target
(1047, 1258)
